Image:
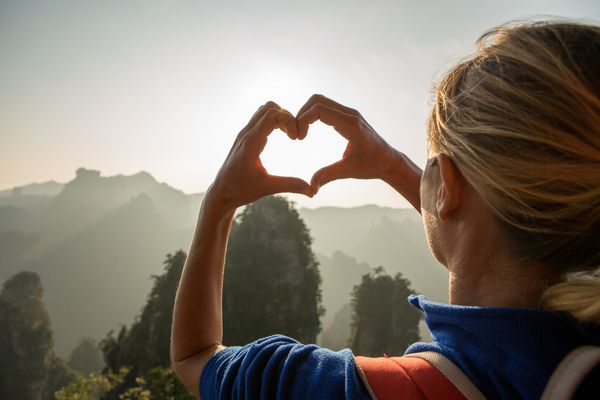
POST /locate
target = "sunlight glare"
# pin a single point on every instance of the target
(302, 158)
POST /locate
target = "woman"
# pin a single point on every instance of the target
(510, 199)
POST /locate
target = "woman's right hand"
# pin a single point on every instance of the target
(367, 155)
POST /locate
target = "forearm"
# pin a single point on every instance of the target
(197, 315)
(405, 177)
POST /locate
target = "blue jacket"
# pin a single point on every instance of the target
(506, 352)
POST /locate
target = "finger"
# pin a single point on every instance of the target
(262, 110)
(345, 124)
(332, 172)
(288, 184)
(271, 120)
(319, 98)
(291, 127)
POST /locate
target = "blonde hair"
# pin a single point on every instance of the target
(521, 120)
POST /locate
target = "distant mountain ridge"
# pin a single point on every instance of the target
(90, 196)
(95, 245)
(96, 242)
(48, 188)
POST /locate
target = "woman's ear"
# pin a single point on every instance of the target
(450, 188)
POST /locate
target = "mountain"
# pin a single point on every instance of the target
(29, 367)
(49, 188)
(337, 334)
(96, 244)
(12, 218)
(99, 277)
(401, 246)
(339, 274)
(392, 238)
(335, 228)
(90, 197)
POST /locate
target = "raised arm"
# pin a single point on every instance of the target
(197, 330)
(367, 155)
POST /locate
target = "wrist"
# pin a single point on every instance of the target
(216, 206)
(405, 177)
(396, 167)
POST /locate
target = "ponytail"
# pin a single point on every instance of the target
(578, 297)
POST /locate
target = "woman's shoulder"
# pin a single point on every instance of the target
(280, 367)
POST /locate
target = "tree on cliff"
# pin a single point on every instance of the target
(271, 286)
(29, 368)
(86, 357)
(143, 349)
(383, 321)
(146, 344)
(272, 280)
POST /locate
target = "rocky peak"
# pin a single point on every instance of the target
(28, 366)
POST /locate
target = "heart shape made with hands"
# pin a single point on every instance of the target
(244, 178)
(365, 156)
(302, 158)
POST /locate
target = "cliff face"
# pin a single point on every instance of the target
(29, 369)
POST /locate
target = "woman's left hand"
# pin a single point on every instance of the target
(242, 179)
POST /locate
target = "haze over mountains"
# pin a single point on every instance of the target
(95, 241)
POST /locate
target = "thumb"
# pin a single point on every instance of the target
(332, 172)
(288, 184)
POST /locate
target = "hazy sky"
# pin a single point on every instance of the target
(164, 86)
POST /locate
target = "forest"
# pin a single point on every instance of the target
(70, 335)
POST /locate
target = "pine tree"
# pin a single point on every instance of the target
(383, 321)
(272, 280)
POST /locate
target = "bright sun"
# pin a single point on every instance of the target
(302, 158)
(290, 86)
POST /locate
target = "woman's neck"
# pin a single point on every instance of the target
(497, 285)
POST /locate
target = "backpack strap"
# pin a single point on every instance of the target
(570, 372)
(412, 376)
(452, 372)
